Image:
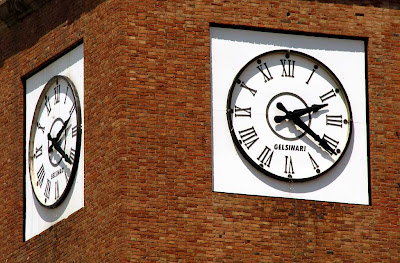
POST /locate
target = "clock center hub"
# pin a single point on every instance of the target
(285, 129)
(55, 157)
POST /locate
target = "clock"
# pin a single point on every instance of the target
(289, 115)
(55, 141)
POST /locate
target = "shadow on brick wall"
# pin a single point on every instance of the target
(24, 22)
(390, 4)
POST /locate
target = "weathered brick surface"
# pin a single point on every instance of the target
(148, 167)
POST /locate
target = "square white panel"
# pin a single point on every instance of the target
(231, 49)
(37, 217)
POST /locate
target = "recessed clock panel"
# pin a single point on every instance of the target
(289, 115)
(54, 142)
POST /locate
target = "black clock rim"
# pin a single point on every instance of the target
(78, 140)
(229, 114)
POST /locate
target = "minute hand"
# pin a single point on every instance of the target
(308, 130)
(60, 132)
(59, 149)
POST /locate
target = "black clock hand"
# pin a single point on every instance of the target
(299, 112)
(302, 125)
(58, 148)
(63, 128)
(308, 130)
(64, 133)
(57, 138)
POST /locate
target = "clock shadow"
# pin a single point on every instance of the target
(312, 185)
(304, 137)
(51, 215)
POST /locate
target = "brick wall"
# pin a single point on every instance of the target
(94, 233)
(148, 167)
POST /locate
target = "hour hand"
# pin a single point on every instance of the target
(298, 112)
(55, 144)
(60, 132)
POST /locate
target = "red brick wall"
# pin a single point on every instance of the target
(95, 232)
(148, 167)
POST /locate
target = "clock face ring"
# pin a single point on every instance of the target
(54, 157)
(289, 115)
(285, 130)
(55, 141)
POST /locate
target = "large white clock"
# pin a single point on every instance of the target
(289, 115)
(55, 141)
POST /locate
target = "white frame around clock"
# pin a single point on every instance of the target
(37, 217)
(231, 49)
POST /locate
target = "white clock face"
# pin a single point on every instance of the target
(289, 115)
(55, 141)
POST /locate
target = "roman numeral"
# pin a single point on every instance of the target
(312, 73)
(314, 163)
(289, 165)
(334, 120)
(333, 143)
(66, 93)
(40, 176)
(245, 112)
(265, 157)
(57, 93)
(66, 176)
(72, 154)
(47, 189)
(290, 68)
(243, 85)
(249, 137)
(74, 131)
(47, 104)
(72, 108)
(328, 95)
(267, 75)
(40, 127)
(56, 190)
(38, 152)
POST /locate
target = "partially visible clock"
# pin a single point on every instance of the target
(289, 115)
(55, 141)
